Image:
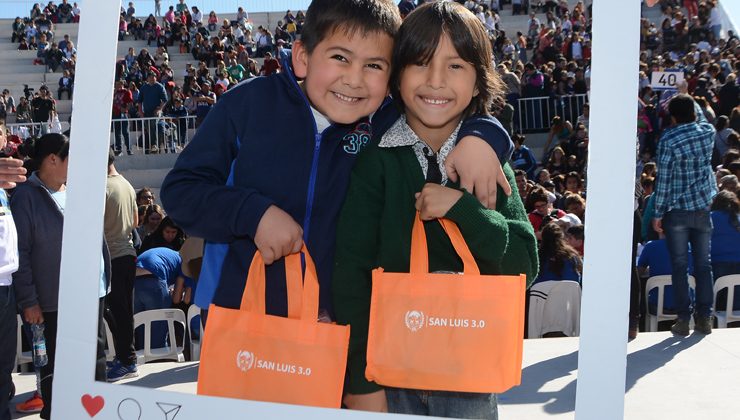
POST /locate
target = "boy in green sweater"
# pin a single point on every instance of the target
(442, 72)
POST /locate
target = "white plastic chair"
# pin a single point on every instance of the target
(21, 357)
(171, 352)
(194, 311)
(554, 306)
(110, 352)
(726, 315)
(660, 282)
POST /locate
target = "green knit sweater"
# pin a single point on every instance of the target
(374, 230)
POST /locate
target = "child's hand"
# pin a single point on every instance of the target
(478, 168)
(434, 201)
(374, 401)
(11, 172)
(277, 235)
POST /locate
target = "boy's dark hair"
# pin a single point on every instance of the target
(722, 122)
(555, 251)
(734, 167)
(647, 181)
(681, 108)
(575, 175)
(419, 37)
(727, 201)
(577, 232)
(536, 195)
(324, 17)
(733, 139)
(520, 172)
(729, 157)
(518, 138)
(574, 199)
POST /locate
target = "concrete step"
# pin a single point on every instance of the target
(140, 162)
(536, 143)
(145, 170)
(59, 30)
(20, 66)
(140, 178)
(17, 55)
(31, 79)
(5, 36)
(64, 106)
(8, 46)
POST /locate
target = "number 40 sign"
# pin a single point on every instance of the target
(666, 79)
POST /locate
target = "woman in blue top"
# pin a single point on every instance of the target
(726, 242)
(558, 260)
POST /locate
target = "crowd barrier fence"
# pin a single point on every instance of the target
(148, 135)
(536, 114)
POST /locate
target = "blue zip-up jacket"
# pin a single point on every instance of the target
(257, 147)
(39, 222)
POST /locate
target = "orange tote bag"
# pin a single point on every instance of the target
(445, 332)
(296, 360)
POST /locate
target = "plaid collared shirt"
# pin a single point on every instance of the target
(685, 178)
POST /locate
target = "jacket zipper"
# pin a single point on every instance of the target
(314, 162)
(312, 185)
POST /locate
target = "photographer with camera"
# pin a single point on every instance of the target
(28, 92)
(41, 107)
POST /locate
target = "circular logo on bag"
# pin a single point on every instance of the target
(414, 320)
(244, 360)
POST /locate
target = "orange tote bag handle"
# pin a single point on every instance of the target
(303, 293)
(420, 253)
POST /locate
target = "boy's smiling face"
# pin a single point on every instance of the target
(346, 75)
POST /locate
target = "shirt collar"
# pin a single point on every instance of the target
(401, 134)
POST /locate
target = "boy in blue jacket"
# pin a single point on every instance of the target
(269, 167)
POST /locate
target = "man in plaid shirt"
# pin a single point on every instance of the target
(684, 192)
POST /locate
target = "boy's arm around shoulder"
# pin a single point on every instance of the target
(355, 258)
(502, 240)
(483, 146)
(198, 193)
(490, 130)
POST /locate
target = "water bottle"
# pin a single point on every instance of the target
(40, 358)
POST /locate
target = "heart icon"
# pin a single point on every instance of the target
(92, 405)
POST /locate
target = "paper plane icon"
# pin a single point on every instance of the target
(170, 410)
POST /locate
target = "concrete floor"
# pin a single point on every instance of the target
(667, 378)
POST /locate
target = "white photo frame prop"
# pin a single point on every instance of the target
(602, 359)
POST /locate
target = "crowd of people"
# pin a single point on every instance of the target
(37, 32)
(143, 270)
(553, 184)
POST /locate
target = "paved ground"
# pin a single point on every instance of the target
(667, 378)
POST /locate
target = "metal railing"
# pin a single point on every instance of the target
(33, 129)
(151, 135)
(137, 135)
(536, 114)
